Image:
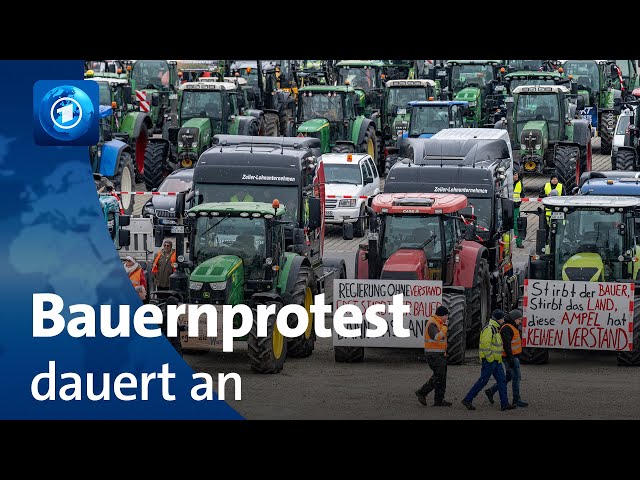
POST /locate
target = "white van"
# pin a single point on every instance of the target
(618, 135)
(351, 175)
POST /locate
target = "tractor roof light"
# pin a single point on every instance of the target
(215, 214)
(275, 204)
(502, 69)
(114, 104)
(89, 74)
(268, 216)
(560, 70)
(349, 158)
(244, 214)
(255, 214)
(191, 214)
(204, 214)
(565, 209)
(347, 83)
(612, 210)
(570, 77)
(431, 99)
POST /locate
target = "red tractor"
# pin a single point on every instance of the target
(418, 236)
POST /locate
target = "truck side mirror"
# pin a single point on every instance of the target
(580, 102)
(124, 220)
(507, 214)
(315, 213)
(157, 237)
(107, 134)
(155, 100)
(180, 205)
(127, 93)
(522, 227)
(124, 237)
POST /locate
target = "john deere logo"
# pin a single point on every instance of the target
(206, 294)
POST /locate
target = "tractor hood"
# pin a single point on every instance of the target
(314, 125)
(405, 264)
(535, 132)
(583, 267)
(342, 189)
(469, 94)
(216, 269)
(200, 123)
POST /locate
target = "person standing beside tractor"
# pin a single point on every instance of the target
(517, 194)
(137, 276)
(552, 188)
(163, 265)
(435, 351)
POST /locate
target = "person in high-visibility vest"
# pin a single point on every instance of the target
(163, 265)
(491, 358)
(517, 194)
(512, 346)
(552, 188)
(241, 196)
(137, 276)
(435, 351)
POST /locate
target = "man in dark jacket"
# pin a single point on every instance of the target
(435, 352)
(512, 345)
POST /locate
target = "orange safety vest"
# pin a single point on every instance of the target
(516, 341)
(136, 277)
(154, 269)
(438, 344)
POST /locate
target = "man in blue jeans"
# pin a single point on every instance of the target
(491, 357)
(512, 346)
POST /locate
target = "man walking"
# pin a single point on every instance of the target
(512, 345)
(552, 188)
(435, 351)
(517, 193)
(163, 265)
(491, 357)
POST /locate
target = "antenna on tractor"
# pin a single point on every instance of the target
(282, 147)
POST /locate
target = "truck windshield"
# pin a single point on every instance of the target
(150, 74)
(401, 96)
(105, 93)
(359, 77)
(586, 242)
(287, 196)
(243, 237)
(428, 120)
(321, 105)
(411, 231)
(203, 104)
(338, 173)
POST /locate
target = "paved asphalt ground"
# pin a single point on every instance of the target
(574, 385)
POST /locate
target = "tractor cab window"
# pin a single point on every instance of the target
(104, 91)
(532, 65)
(364, 78)
(322, 105)
(412, 232)
(471, 76)
(201, 104)
(587, 246)
(428, 120)
(539, 107)
(231, 235)
(623, 123)
(150, 74)
(584, 73)
(399, 97)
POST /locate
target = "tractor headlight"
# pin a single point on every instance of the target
(194, 145)
(472, 104)
(195, 285)
(523, 147)
(538, 147)
(348, 202)
(99, 153)
(180, 144)
(218, 286)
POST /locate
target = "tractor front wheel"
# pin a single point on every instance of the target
(303, 294)
(123, 181)
(154, 164)
(534, 356)
(271, 125)
(478, 298)
(456, 334)
(267, 354)
(625, 160)
(607, 125)
(632, 358)
(369, 146)
(348, 354)
(566, 160)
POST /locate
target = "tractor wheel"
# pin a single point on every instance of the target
(606, 126)
(267, 354)
(287, 126)
(141, 142)
(271, 125)
(342, 148)
(360, 227)
(625, 160)
(303, 294)
(632, 358)
(154, 164)
(456, 334)
(123, 181)
(478, 298)
(389, 162)
(370, 146)
(534, 356)
(566, 161)
(348, 354)
(254, 128)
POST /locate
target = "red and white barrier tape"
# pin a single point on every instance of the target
(530, 199)
(347, 196)
(147, 193)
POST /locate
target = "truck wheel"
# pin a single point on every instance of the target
(607, 124)
(534, 356)
(360, 226)
(456, 335)
(478, 303)
(302, 294)
(123, 181)
(348, 354)
(267, 354)
(154, 164)
(632, 358)
(566, 163)
(370, 146)
(141, 143)
(625, 160)
(271, 125)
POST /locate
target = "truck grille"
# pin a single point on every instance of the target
(165, 214)
(331, 203)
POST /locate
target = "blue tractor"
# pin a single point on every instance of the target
(112, 158)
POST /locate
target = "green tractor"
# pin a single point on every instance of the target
(477, 82)
(155, 83)
(518, 78)
(547, 134)
(604, 86)
(591, 238)
(332, 114)
(314, 72)
(205, 109)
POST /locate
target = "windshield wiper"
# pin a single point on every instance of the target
(215, 224)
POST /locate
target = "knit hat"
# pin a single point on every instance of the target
(514, 315)
(130, 258)
(497, 314)
(441, 311)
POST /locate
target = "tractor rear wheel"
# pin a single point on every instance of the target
(478, 304)
(303, 294)
(267, 354)
(456, 334)
(123, 181)
(271, 125)
(342, 148)
(534, 356)
(154, 164)
(566, 163)
(607, 125)
(287, 126)
(369, 145)
(625, 160)
(632, 358)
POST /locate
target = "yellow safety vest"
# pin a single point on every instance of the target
(491, 342)
(517, 190)
(247, 198)
(547, 191)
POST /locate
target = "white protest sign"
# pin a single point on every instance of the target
(202, 341)
(578, 315)
(422, 296)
